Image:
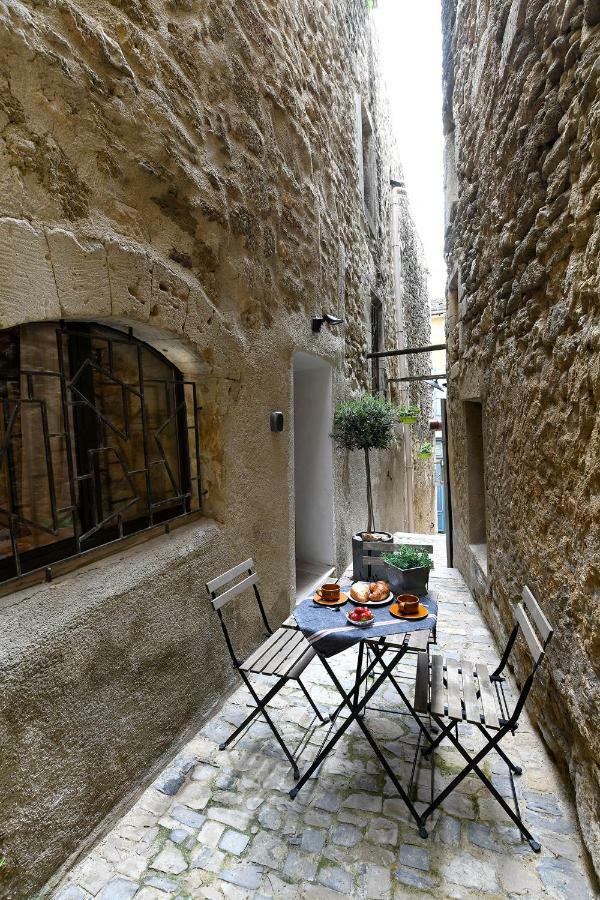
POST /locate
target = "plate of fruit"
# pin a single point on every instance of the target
(361, 616)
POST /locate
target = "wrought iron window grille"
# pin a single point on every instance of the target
(101, 445)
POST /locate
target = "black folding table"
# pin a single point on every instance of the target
(329, 633)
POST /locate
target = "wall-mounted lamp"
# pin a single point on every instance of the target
(317, 322)
(394, 183)
(276, 421)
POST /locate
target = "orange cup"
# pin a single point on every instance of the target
(330, 593)
(408, 604)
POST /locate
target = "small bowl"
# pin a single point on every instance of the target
(362, 624)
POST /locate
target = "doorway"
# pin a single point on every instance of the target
(313, 472)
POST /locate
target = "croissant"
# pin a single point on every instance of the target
(379, 592)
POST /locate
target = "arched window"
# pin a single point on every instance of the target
(99, 439)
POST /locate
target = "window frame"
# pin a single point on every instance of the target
(376, 339)
(367, 161)
(80, 421)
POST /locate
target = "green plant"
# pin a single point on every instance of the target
(409, 558)
(370, 4)
(365, 424)
(409, 412)
(426, 449)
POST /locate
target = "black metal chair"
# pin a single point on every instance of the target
(455, 691)
(284, 655)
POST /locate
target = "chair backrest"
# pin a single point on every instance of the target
(375, 549)
(537, 632)
(216, 584)
(222, 591)
(530, 617)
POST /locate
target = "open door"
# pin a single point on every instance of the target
(313, 471)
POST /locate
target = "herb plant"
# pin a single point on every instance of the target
(409, 558)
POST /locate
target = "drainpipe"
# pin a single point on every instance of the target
(403, 360)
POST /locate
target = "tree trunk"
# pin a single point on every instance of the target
(371, 524)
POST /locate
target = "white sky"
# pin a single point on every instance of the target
(411, 57)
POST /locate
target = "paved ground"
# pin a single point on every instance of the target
(221, 824)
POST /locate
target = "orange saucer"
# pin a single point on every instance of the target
(343, 599)
(422, 613)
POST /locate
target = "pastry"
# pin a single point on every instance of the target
(373, 592)
(360, 592)
(378, 591)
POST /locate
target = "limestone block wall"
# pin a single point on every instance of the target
(522, 113)
(417, 333)
(191, 170)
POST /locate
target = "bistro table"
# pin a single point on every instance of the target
(329, 633)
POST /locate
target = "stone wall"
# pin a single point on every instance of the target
(417, 333)
(189, 170)
(522, 113)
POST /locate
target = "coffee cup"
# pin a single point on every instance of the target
(329, 592)
(408, 604)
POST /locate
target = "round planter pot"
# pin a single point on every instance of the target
(407, 581)
(424, 455)
(360, 572)
(408, 420)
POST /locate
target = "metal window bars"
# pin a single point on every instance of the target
(124, 473)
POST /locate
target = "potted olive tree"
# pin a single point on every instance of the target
(365, 423)
(407, 570)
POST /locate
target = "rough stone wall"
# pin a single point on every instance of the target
(522, 114)
(415, 296)
(188, 169)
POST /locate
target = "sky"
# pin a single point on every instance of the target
(411, 58)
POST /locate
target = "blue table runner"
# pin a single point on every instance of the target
(329, 632)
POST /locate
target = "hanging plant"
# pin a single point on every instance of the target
(425, 451)
(370, 4)
(408, 415)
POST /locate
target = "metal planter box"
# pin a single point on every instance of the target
(408, 581)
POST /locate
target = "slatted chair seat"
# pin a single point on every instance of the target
(286, 653)
(456, 689)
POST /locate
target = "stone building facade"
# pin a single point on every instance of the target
(521, 118)
(202, 178)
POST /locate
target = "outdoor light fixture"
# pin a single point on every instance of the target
(396, 184)
(277, 421)
(317, 322)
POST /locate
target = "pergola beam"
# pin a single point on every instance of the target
(406, 351)
(436, 377)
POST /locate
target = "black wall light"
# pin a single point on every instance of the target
(317, 321)
(277, 421)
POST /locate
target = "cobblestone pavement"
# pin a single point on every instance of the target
(221, 824)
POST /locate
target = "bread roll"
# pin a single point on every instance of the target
(360, 592)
